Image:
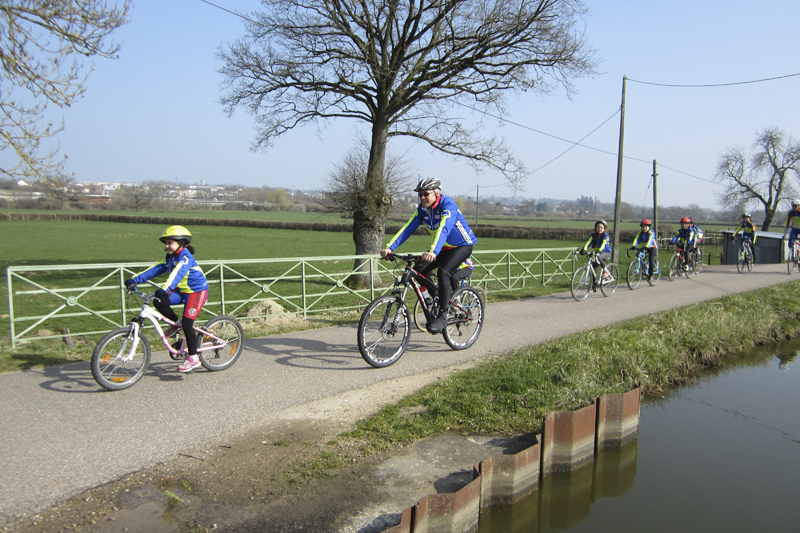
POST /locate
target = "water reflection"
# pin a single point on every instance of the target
(719, 454)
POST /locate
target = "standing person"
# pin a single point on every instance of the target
(646, 238)
(686, 239)
(748, 229)
(185, 284)
(792, 230)
(600, 242)
(452, 240)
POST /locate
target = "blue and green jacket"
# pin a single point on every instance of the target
(748, 230)
(443, 220)
(685, 236)
(645, 240)
(184, 273)
(598, 243)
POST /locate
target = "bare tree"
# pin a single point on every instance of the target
(59, 188)
(400, 66)
(139, 196)
(762, 178)
(42, 45)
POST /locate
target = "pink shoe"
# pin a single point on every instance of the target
(189, 364)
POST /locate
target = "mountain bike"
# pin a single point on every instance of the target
(586, 279)
(640, 266)
(385, 325)
(744, 259)
(677, 265)
(793, 264)
(122, 356)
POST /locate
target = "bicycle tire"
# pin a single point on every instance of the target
(109, 371)
(464, 325)
(749, 258)
(581, 284)
(740, 260)
(656, 277)
(229, 330)
(789, 265)
(378, 340)
(691, 268)
(634, 278)
(608, 286)
(672, 273)
(698, 262)
(419, 316)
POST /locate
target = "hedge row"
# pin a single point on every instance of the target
(484, 230)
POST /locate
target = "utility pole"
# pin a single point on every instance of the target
(477, 204)
(618, 200)
(655, 198)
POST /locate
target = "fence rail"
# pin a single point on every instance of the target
(90, 299)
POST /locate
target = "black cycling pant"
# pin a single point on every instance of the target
(187, 324)
(448, 262)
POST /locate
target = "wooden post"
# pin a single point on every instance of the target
(618, 200)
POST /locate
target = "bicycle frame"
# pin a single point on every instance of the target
(591, 259)
(153, 316)
(416, 280)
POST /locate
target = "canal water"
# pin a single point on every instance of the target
(721, 454)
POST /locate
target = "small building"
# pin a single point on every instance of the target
(770, 248)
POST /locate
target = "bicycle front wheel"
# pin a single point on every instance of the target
(221, 350)
(464, 319)
(608, 286)
(383, 331)
(655, 277)
(634, 275)
(741, 261)
(749, 260)
(114, 366)
(672, 273)
(581, 283)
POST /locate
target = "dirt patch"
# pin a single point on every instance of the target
(245, 482)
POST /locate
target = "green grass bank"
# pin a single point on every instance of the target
(511, 393)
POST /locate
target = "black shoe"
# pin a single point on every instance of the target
(439, 324)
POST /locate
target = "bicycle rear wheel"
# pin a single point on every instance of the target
(581, 283)
(230, 339)
(419, 316)
(111, 367)
(608, 286)
(383, 331)
(655, 277)
(698, 261)
(464, 319)
(672, 273)
(691, 266)
(634, 274)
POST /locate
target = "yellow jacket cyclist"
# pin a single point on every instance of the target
(748, 229)
(452, 240)
(646, 238)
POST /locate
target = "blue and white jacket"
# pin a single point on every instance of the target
(184, 273)
(443, 220)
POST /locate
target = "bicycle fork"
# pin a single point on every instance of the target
(133, 339)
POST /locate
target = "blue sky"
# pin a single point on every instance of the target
(154, 113)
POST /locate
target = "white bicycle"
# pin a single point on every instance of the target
(122, 356)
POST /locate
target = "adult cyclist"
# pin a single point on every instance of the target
(792, 230)
(452, 241)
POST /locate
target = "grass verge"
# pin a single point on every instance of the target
(511, 393)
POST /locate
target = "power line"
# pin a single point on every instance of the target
(714, 84)
(227, 10)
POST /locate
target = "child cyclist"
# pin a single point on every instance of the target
(748, 229)
(686, 239)
(452, 241)
(792, 230)
(185, 284)
(646, 238)
(599, 242)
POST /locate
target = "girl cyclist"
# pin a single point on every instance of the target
(646, 238)
(185, 284)
(600, 242)
(748, 229)
(452, 240)
(686, 239)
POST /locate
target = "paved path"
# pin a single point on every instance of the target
(62, 434)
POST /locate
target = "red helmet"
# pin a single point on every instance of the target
(645, 222)
(687, 220)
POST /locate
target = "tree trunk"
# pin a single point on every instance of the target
(769, 215)
(369, 217)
